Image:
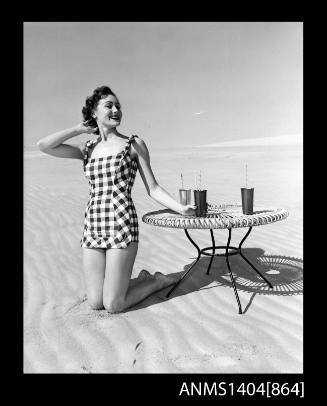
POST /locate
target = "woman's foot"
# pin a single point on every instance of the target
(166, 280)
(144, 275)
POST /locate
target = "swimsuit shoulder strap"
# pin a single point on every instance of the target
(132, 138)
(129, 142)
(88, 145)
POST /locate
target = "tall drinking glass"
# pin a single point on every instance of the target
(247, 200)
(200, 200)
(185, 196)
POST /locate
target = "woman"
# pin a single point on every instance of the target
(110, 237)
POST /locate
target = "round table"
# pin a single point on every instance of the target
(223, 216)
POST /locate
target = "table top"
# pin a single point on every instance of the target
(218, 216)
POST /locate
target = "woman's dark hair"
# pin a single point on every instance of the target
(92, 101)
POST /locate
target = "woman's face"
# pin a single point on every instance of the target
(108, 111)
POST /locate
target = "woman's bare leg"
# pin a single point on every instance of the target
(118, 295)
(94, 263)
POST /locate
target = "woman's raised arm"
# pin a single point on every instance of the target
(155, 191)
(54, 144)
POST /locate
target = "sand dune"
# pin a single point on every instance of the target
(198, 329)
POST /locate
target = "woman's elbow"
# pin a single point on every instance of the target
(41, 146)
(152, 190)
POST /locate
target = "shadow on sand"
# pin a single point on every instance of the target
(284, 273)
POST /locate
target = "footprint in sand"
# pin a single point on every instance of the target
(82, 296)
(137, 350)
(86, 369)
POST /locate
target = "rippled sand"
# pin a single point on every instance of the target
(198, 329)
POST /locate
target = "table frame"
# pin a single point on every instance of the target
(227, 254)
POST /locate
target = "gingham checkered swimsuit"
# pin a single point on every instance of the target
(110, 215)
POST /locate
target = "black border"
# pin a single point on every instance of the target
(157, 386)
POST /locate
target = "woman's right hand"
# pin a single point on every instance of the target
(188, 210)
(85, 128)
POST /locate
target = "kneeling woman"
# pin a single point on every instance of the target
(110, 237)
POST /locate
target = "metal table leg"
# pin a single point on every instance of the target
(230, 272)
(245, 259)
(213, 250)
(197, 259)
(227, 255)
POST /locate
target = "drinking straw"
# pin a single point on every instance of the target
(182, 181)
(246, 176)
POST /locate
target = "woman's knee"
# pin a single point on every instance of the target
(114, 305)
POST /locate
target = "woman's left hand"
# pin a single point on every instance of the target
(188, 210)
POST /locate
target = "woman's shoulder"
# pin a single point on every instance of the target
(136, 139)
(138, 142)
(138, 146)
(84, 146)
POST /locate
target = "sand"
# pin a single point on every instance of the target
(198, 329)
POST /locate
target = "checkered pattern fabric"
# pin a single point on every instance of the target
(110, 215)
